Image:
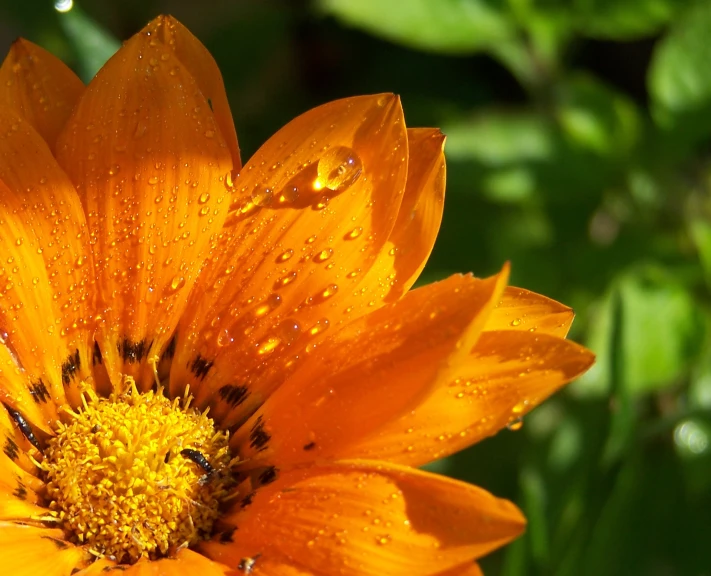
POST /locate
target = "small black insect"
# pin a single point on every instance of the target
(24, 426)
(198, 458)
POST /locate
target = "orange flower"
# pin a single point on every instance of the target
(147, 278)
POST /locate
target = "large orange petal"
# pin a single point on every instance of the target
(507, 374)
(520, 309)
(420, 215)
(362, 518)
(39, 87)
(29, 551)
(284, 272)
(184, 563)
(203, 68)
(150, 165)
(46, 306)
(367, 374)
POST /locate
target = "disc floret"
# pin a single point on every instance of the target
(118, 478)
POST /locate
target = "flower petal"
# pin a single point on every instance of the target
(149, 164)
(28, 551)
(39, 87)
(99, 566)
(184, 563)
(467, 569)
(284, 272)
(363, 518)
(367, 374)
(46, 278)
(420, 215)
(521, 309)
(508, 373)
(202, 67)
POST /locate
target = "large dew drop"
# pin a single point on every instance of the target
(339, 168)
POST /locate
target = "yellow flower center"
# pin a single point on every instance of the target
(136, 475)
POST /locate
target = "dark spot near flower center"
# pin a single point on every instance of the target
(200, 366)
(258, 437)
(247, 500)
(70, 367)
(268, 475)
(11, 450)
(209, 103)
(169, 351)
(39, 391)
(133, 352)
(226, 536)
(234, 395)
(310, 446)
(24, 427)
(97, 358)
(20, 492)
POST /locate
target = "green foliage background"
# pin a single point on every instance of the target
(579, 148)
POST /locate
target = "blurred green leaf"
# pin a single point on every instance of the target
(661, 330)
(93, 44)
(701, 234)
(623, 19)
(451, 26)
(660, 334)
(504, 146)
(597, 117)
(679, 80)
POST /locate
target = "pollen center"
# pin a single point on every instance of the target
(136, 475)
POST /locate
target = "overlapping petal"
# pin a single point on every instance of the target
(370, 373)
(292, 257)
(363, 518)
(26, 550)
(47, 306)
(150, 164)
(39, 87)
(507, 374)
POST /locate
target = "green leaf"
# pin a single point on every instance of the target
(505, 149)
(679, 79)
(701, 234)
(660, 333)
(623, 19)
(597, 117)
(661, 330)
(450, 26)
(92, 43)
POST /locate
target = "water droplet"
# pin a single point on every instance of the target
(270, 303)
(323, 255)
(284, 256)
(204, 197)
(262, 196)
(177, 283)
(515, 424)
(353, 234)
(338, 168)
(224, 338)
(268, 346)
(288, 195)
(320, 326)
(516, 322)
(153, 180)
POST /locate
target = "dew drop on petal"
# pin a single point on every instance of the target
(339, 168)
(262, 196)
